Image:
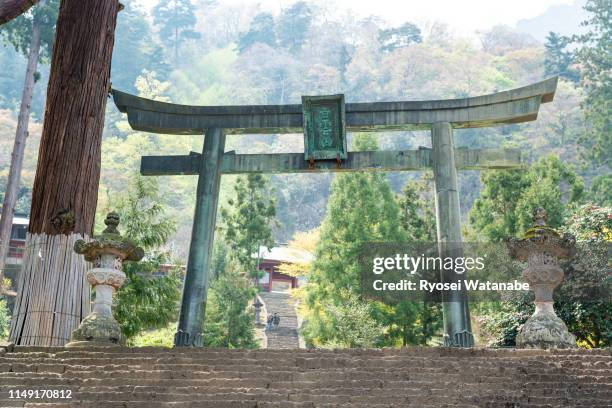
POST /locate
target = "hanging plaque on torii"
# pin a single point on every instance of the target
(324, 128)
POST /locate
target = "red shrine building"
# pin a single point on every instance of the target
(271, 259)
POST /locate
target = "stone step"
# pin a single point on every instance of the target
(411, 377)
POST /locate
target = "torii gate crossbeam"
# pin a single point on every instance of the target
(441, 116)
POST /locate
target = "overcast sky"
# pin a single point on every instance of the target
(464, 16)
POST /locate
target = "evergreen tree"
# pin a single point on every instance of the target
(416, 212)
(361, 209)
(261, 30)
(5, 319)
(248, 221)
(293, 25)
(392, 39)
(146, 301)
(601, 190)
(415, 322)
(595, 58)
(229, 320)
(135, 48)
(558, 59)
(508, 198)
(18, 32)
(176, 21)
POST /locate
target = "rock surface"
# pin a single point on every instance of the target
(545, 330)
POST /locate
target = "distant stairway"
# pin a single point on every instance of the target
(286, 334)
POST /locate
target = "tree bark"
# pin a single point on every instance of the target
(14, 177)
(9, 9)
(53, 296)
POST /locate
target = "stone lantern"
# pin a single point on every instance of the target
(107, 253)
(542, 247)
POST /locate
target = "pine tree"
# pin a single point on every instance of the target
(176, 21)
(293, 25)
(411, 321)
(558, 59)
(392, 39)
(145, 301)
(229, 320)
(508, 197)
(417, 215)
(261, 31)
(594, 56)
(248, 221)
(135, 48)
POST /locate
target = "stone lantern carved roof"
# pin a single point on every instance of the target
(542, 238)
(109, 242)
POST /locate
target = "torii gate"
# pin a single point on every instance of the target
(326, 120)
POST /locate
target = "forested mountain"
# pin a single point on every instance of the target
(560, 18)
(219, 55)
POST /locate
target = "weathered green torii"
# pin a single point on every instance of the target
(441, 116)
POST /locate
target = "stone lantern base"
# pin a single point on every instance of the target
(545, 331)
(97, 330)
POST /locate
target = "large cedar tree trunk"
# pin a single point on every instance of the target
(53, 295)
(12, 186)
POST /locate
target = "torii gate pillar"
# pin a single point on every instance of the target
(189, 330)
(456, 315)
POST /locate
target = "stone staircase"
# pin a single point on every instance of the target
(299, 378)
(286, 334)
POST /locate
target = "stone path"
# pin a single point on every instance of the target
(286, 334)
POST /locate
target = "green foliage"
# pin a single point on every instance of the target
(135, 48)
(595, 59)
(361, 209)
(146, 301)
(24, 197)
(601, 190)
(163, 337)
(18, 32)
(248, 221)
(293, 25)
(508, 198)
(260, 31)
(392, 39)
(142, 215)
(410, 321)
(416, 211)
(5, 319)
(176, 21)
(229, 320)
(354, 323)
(582, 300)
(502, 322)
(558, 59)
